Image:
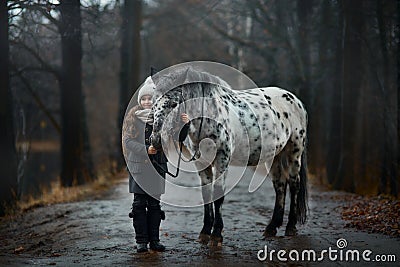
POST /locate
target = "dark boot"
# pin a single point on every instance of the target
(141, 247)
(140, 219)
(157, 246)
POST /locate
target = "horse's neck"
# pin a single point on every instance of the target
(209, 107)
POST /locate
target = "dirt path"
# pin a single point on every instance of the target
(98, 232)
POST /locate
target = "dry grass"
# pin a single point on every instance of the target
(59, 194)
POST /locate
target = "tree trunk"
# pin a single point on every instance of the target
(398, 99)
(398, 96)
(130, 63)
(324, 88)
(352, 81)
(8, 156)
(304, 12)
(335, 127)
(389, 168)
(74, 169)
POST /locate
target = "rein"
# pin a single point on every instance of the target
(181, 142)
(177, 168)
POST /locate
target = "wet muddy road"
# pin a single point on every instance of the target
(98, 232)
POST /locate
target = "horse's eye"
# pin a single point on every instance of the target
(174, 104)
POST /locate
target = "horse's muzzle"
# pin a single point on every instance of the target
(155, 140)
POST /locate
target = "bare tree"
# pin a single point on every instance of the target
(75, 168)
(352, 82)
(130, 62)
(334, 129)
(8, 159)
(390, 144)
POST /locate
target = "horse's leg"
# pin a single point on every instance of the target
(280, 184)
(220, 163)
(206, 177)
(216, 236)
(294, 186)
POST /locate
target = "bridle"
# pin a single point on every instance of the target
(181, 141)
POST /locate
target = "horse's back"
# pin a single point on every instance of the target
(278, 117)
(285, 101)
(284, 104)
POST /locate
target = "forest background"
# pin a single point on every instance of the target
(69, 68)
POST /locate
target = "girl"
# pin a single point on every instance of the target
(146, 210)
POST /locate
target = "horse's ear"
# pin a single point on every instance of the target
(153, 71)
(189, 75)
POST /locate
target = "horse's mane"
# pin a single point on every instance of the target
(170, 79)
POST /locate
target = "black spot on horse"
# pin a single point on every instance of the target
(290, 96)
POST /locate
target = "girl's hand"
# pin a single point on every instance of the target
(185, 117)
(152, 150)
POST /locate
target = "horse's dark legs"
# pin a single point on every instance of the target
(294, 185)
(220, 163)
(208, 221)
(216, 236)
(277, 217)
(280, 185)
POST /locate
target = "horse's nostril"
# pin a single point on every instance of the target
(155, 141)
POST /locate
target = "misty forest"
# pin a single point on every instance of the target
(69, 69)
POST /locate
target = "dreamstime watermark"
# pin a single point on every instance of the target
(338, 253)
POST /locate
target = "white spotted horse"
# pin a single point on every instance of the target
(268, 123)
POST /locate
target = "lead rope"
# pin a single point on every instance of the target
(177, 168)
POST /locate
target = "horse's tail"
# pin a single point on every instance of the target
(302, 196)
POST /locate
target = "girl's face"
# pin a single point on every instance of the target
(146, 101)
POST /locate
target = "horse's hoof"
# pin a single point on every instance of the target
(270, 232)
(204, 238)
(216, 241)
(291, 231)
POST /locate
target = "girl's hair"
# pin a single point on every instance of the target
(129, 128)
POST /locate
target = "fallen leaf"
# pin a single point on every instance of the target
(19, 249)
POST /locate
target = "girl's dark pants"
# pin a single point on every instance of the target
(146, 218)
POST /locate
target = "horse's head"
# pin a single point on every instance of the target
(175, 89)
(167, 107)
